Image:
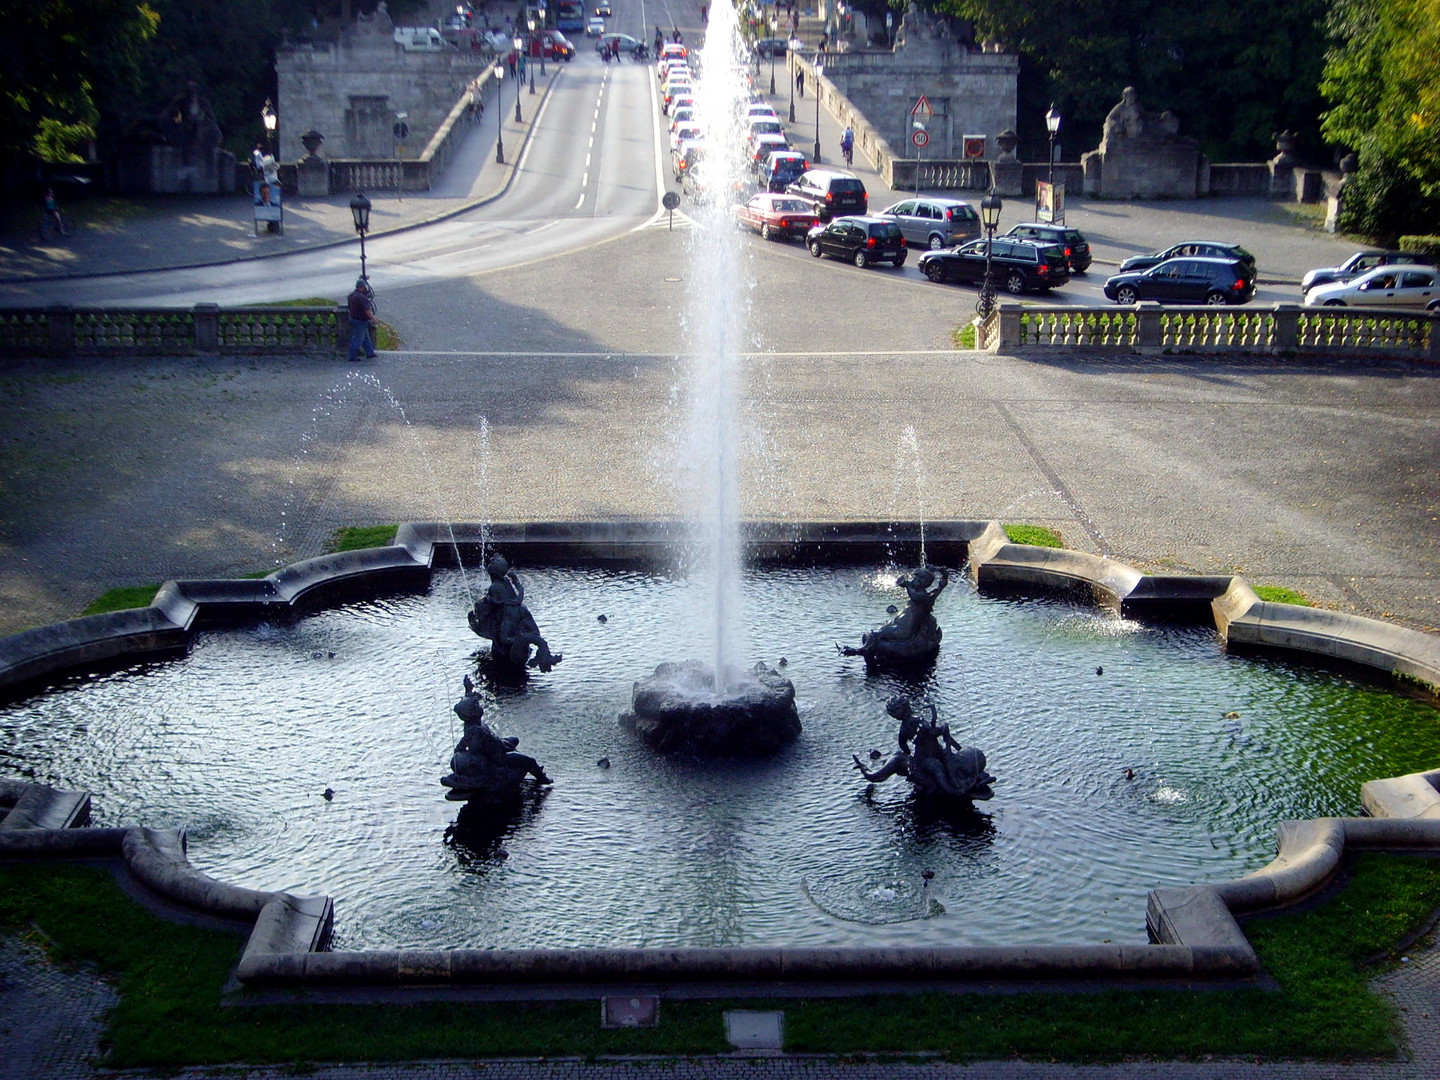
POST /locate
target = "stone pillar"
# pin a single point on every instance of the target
(1010, 325)
(207, 327)
(312, 177)
(1006, 178)
(60, 323)
(1287, 328)
(1148, 312)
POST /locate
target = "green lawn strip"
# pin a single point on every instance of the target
(1278, 594)
(127, 596)
(965, 336)
(170, 978)
(358, 537)
(1037, 535)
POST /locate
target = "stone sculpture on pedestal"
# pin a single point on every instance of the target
(913, 637)
(929, 757)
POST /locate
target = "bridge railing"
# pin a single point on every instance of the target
(60, 330)
(1280, 329)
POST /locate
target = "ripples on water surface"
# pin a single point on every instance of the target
(237, 742)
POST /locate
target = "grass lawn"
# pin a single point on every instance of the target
(170, 978)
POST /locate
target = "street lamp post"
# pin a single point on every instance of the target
(774, 29)
(271, 121)
(530, 22)
(819, 70)
(542, 44)
(990, 218)
(518, 45)
(1052, 125)
(360, 211)
(499, 72)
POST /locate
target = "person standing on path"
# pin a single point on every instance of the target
(800, 81)
(52, 211)
(361, 303)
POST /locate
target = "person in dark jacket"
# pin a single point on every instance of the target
(361, 303)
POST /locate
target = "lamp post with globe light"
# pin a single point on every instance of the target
(819, 70)
(499, 71)
(774, 29)
(519, 44)
(989, 217)
(541, 9)
(1052, 125)
(789, 50)
(271, 120)
(530, 22)
(360, 211)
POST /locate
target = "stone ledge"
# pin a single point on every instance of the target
(1414, 796)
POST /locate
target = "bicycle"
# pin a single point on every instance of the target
(847, 151)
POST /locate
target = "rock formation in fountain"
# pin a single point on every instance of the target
(486, 768)
(912, 638)
(935, 764)
(501, 616)
(677, 708)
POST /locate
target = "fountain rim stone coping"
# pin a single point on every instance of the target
(1195, 927)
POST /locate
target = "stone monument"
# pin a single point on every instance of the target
(1142, 156)
(501, 616)
(486, 768)
(176, 150)
(912, 638)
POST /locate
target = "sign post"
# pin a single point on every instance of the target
(920, 115)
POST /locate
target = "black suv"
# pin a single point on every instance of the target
(1077, 248)
(831, 193)
(1017, 266)
(1202, 249)
(1186, 281)
(862, 240)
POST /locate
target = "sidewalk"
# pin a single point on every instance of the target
(121, 235)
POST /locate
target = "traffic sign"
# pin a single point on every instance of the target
(670, 200)
(921, 139)
(923, 110)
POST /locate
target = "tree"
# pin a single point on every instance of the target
(1233, 82)
(1380, 77)
(59, 60)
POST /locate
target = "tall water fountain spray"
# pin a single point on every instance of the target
(718, 320)
(714, 705)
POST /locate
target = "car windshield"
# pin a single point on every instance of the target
(963, 213)
(790, 206)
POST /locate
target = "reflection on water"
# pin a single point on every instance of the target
(238, 742)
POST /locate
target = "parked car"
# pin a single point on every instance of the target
(1392, 285)
(776, 216)
(1017, 266)
(780, 169)
(1360, 263)
(764, 125)
(831, 193)
(762, 146)
(771, 46)
(1077, 249)
(1205, 249)
(934, 223)
(861, 240)
(1186, 281)
(688, 155)
(759, 108)
(684, 133)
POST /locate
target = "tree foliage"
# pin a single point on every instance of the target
(1232, 80)
(1380, 78)
(60, 61)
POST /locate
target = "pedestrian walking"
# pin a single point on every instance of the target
(52, 213)
(361, 303)
(800, 81)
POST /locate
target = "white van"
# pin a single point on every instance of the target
(420, 39)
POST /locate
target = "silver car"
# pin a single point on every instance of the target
(934, 223)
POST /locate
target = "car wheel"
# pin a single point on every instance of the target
(765, 232)
(936, 242)
(900, 261)
(1334, 303)
(935, 272)
(1434, 305)
(861, 259)
(1126, 294)
(815, 248)
(1015, 283)
(1215, 299)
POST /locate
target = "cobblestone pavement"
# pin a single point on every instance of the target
(50, 1017)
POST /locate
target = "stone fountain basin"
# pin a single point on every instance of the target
(1188, 920)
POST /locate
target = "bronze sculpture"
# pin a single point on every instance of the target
(930, 758)
(913, 636)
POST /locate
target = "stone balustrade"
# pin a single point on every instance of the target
(1279, 329)
(60, 331)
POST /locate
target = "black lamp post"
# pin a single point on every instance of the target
(789, 49)
(989, 217)
(271, 121)
(819, 70)
(518, 43)
(542, 44)
(531, 24)
(499, 115)
(1052, 125)
(774, 29)
(360, 211)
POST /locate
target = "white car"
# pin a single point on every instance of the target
(595, 27)
(760, 109)
(683, 133)
(1385, 286)
(683, 115)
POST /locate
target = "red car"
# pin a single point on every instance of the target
(775, 216)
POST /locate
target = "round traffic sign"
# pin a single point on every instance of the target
(920, 138)
(671, 200)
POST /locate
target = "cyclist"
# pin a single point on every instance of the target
(847, 145)
(52, 212)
